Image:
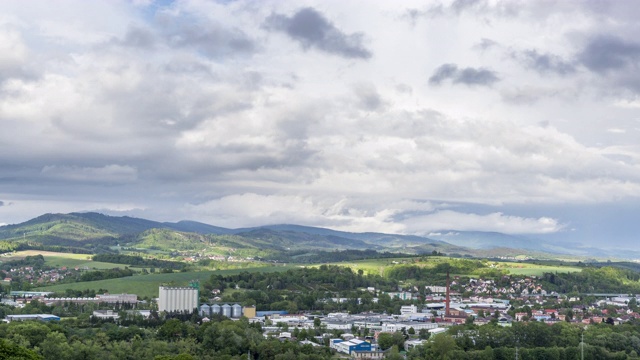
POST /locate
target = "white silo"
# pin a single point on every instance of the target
(236, 310)
(216, 309)
(205, 310)
(226, 310)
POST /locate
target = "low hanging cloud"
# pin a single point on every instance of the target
(339, 213)
(355, 214)
(467, 76)
(497, 221)
(313, 30)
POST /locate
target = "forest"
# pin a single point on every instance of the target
(164, 339)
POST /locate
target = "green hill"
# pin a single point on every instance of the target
(94, 232)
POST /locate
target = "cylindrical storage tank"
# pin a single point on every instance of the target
(216, 309)
(236, 310)
(226, 310)
(205, 310)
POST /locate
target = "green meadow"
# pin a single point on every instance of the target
(378, 266)
(147, 285)
(68, 260)
(536, 270)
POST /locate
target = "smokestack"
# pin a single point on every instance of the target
(446, 312)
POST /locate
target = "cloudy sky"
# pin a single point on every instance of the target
(521, 117)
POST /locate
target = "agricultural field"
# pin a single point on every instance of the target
(372, 266)
(147, 285)
(378, 266)
(515, 268)
(59, 260)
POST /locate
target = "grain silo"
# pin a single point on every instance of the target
(226, 310)
(236, 310)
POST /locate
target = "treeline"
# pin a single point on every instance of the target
(327, 277)
(11, 246)
(306, 289)
(534, 340)
(171, 339)
(438, 273)
(138, 261)
(593, 280)
(35, 261)
(7, 246)
(309, 257)
(105, 274)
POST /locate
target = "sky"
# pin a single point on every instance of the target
(408, 117)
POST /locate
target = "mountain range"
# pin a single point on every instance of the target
(91, 230)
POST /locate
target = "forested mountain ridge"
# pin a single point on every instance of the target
(89, 231)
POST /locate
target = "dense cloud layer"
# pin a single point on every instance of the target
(468, 115)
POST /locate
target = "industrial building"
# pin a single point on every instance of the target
(178, 299)
(39, 317)
(104, 298)
(347, 347)
(230, 311)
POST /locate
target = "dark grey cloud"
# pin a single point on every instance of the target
(209, 39)
(485, 44)
(139, 38)
(369, 98)
(444, 72)
(312, 30)
(1, 203)
(413, 15)
(476, 7)
(605, 53)
(468, 76)
(545, 63)
(461, 5)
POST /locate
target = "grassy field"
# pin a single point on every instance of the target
(59, 260)
(378, 266)
(535, 270)
(147, 285)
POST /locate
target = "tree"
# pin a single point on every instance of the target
(55, 346)
(394, 354)
(442, 345)
(9, 350)
(387, 340)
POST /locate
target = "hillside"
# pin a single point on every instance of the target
(94, 232)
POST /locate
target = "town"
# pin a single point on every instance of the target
(424, 313)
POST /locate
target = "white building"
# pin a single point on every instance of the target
(436, 289)
(417, 326)
(408, 309)
(402, 295)
(118, 298)
(106, 314)
(177, 299)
